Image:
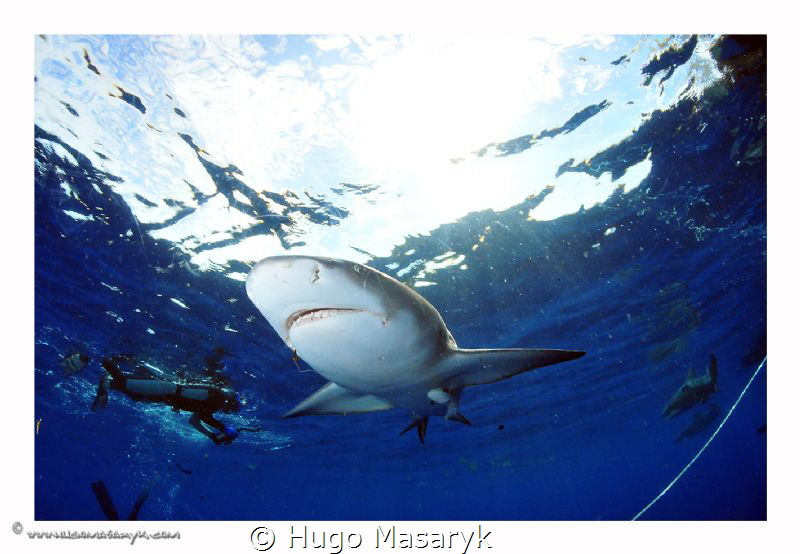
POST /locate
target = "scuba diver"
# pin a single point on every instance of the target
(202, 396)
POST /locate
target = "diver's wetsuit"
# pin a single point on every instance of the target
(200, 398)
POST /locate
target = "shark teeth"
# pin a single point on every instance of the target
(304, 317)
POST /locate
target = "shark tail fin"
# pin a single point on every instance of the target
(336, 399)
(422, 427)
(480, 367)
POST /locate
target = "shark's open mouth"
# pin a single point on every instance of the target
(304, 317)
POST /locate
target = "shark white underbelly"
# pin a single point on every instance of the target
(379, 343)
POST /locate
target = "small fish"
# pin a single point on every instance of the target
(74, 362)
(38, 424)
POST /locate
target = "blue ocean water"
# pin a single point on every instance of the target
(649, 281)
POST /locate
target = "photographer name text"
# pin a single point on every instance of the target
(389, 537)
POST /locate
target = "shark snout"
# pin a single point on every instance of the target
(294, 291)
(288, 270)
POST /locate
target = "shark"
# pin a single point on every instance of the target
(701, 420)
(378, 343)
(694, 390)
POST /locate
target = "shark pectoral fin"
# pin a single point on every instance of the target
(335, 399)
(479, 367)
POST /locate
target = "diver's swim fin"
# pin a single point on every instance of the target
(101, 400)
(104, 499)
(107, 505)
(134, 515)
